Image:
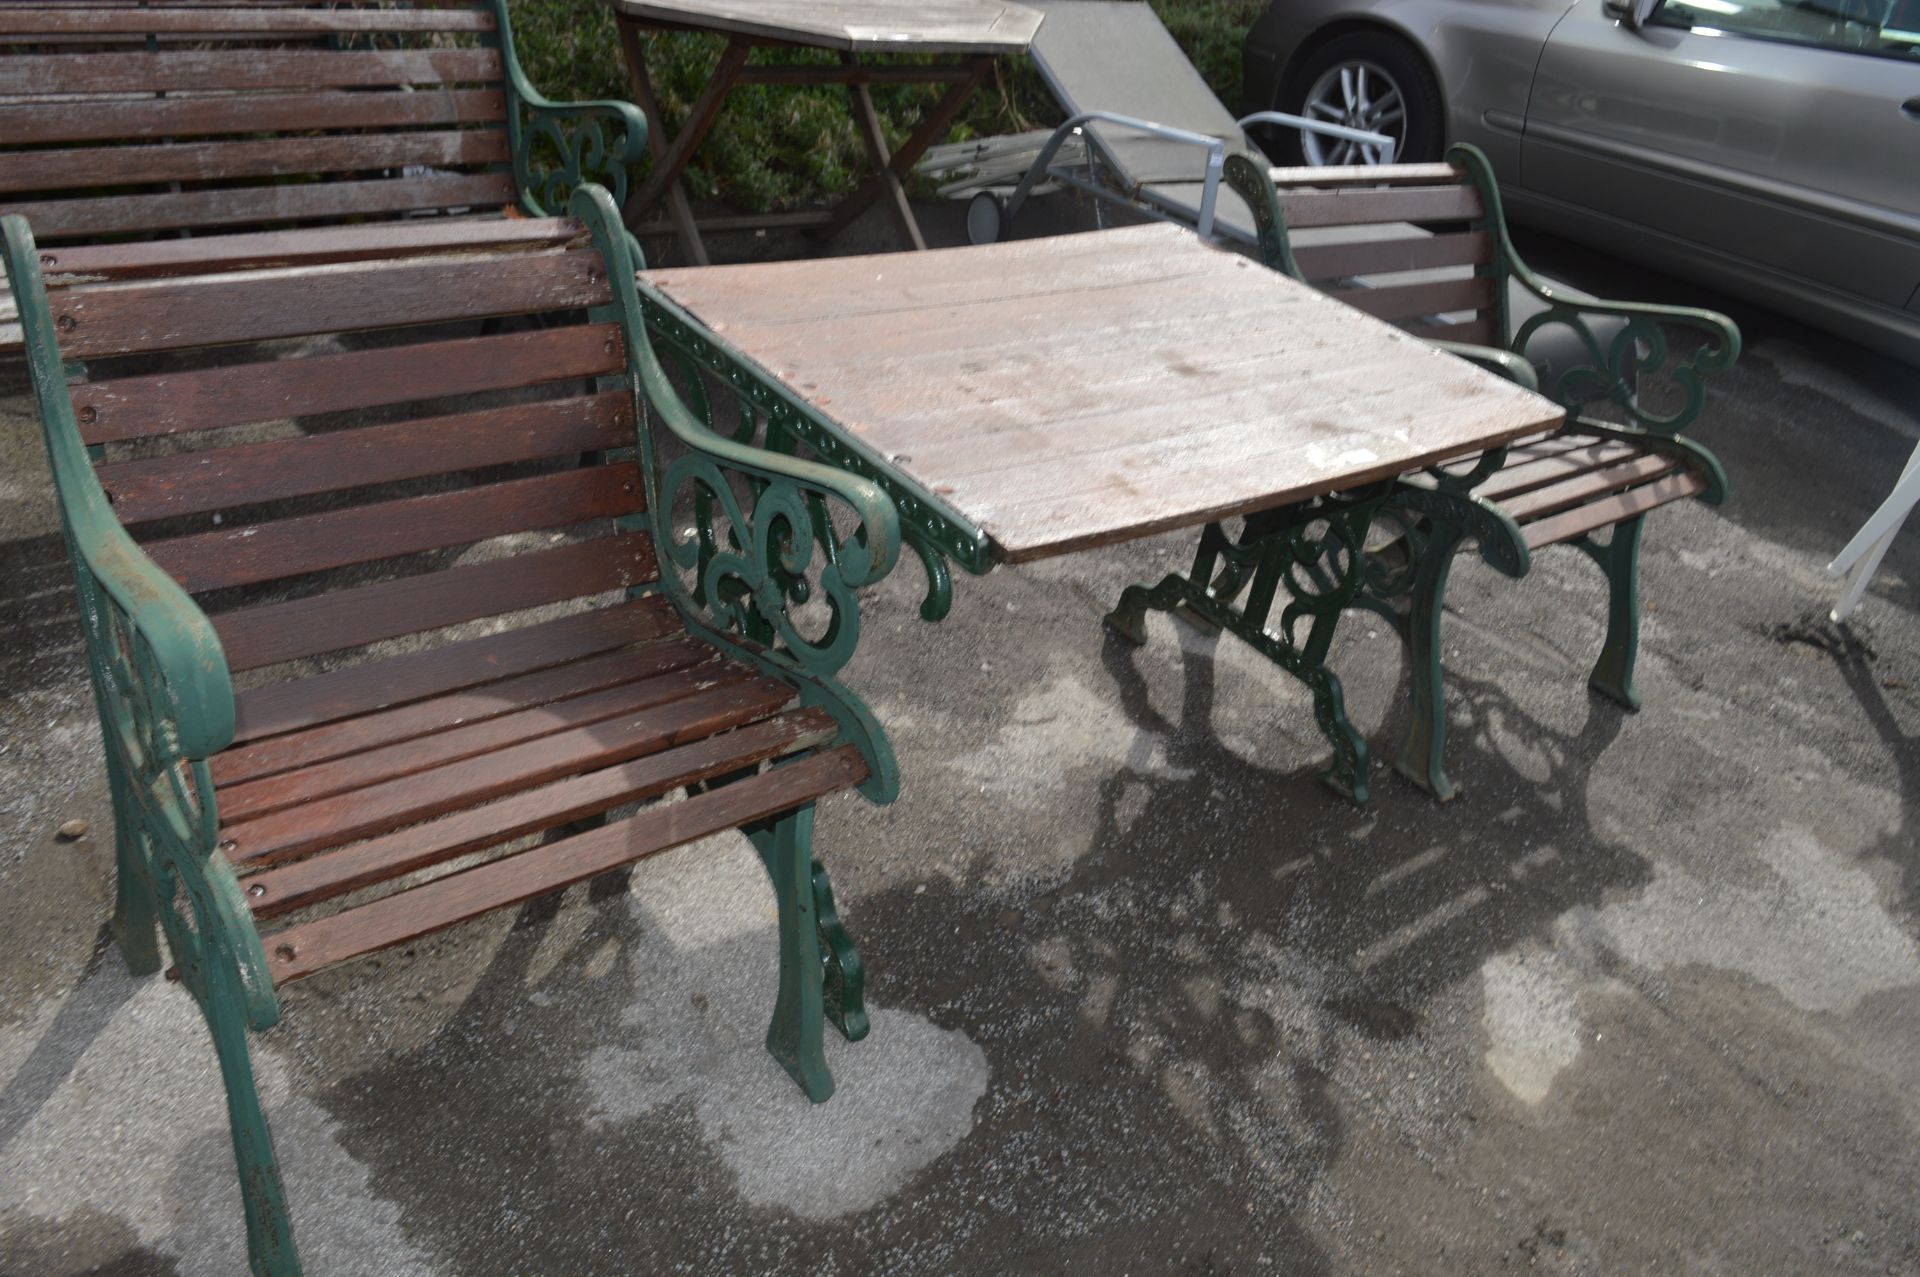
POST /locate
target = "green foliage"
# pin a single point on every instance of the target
(1213, 33)
(776, 147)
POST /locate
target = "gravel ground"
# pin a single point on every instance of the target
(1147, 998)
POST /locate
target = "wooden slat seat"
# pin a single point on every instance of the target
(1570, 484)
(153, 137)
(304, 948)
(378, 623)
(360, 777)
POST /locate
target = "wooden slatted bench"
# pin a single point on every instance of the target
(171, 136)
(1425, 246)
(362, 684)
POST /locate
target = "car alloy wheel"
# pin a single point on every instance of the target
(1361, 95)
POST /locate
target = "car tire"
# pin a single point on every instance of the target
(1382, 55)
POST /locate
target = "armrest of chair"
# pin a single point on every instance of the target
(562, 145)
(155, 655)
(1612, 369)
(768, 571)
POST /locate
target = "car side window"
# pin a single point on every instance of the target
(1882, 28)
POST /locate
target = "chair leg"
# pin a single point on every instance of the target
(270, 1248)
(1620, 560)
(1422, 755)
(794, 1038)
(136, 923)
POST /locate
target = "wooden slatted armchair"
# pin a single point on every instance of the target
(1425, 246)
(365, 683)
(172, 136)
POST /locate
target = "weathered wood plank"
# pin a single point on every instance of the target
(1582, 488)
(1536, 472)
(305, 948)
(151, 119)
(113, 319)
(122, 408)
(199, 71)
(1400, 302)
(1612, 510)
(91, 167)
(253, 20)
(1083, 400)
(378, 809)
(1365, 175)
(307, 246)
(1304, 209)
(1389, 256)
(259, 552)
(304, 882)
(274, 708)
(859, 26)
(274, 632)
(255, 759)
(252, 799)
(334, 461)
(258, 205)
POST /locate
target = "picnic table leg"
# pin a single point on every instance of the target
(890, 169)
(670, 157)
(868, 122)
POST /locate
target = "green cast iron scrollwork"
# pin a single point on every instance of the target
(762, 544)
(1316, 552)
(559, 146)
(843, 974)
(747, 582)
(936, 539)
(1499, 539)
(1613, 369)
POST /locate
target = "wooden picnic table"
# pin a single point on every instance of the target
(967, 35)
(1025, 400)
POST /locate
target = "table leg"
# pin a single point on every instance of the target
(1315, 552)
(890, 169)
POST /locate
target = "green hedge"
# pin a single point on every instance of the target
(776, 148)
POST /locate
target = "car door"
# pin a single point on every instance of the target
(1775, 136)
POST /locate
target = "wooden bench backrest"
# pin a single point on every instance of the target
(379, 467)
(1404, 218)
(118, 119)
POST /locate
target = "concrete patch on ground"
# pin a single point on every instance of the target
(1058, 730)
(114, 1109)
(1810, 925)
(1814, 929)
(906, 1094)
(1532, 1024)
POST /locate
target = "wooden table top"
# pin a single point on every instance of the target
(1063, 393)
(859, 26)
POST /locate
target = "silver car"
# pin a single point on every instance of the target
(1770, 148)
